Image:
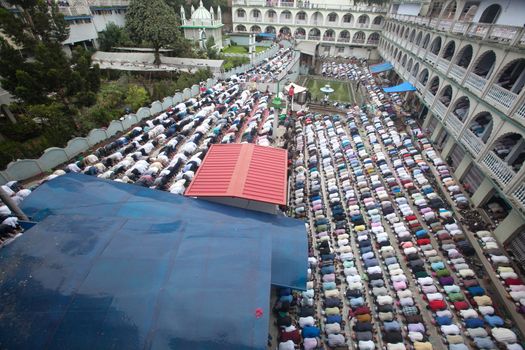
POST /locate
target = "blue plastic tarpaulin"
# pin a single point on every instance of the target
(112, 265)
(79, 282)
(381, 67)
(403, 87)
(96, 197)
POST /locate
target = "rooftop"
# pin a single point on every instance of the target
(244, 171)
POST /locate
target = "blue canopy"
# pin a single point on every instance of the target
(381, 67)
(266, 35)
(403, 87)
(111, 265)
(96, 197)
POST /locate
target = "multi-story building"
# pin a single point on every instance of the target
(467, 61)
(330, 27)
(87, 18)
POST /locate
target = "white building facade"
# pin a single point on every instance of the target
(337, 28)
(468, 65)
(87, 18)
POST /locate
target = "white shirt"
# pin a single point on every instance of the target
(11, 221)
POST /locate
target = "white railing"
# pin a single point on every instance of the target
(473, 142)
(519, 195)
(329, 38)
(431, 57)
(314, 37)
(457, 72)
(508, 35)
(444, 24)
(501, 171)
(429, 97)
(442, 65)
(520, 113)
(501, 96)
(440, 109)
(455, 125)
(343, 40)
(72, 11)
(108, 3)
(301, 21)
(420, 86)
(475, 82)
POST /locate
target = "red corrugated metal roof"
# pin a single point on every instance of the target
(242, 171)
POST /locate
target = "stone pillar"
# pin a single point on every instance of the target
(515, 152)
(427, 120)
(511, 225)
(437, 132)
(463, 167)
(483, 193)
(447, 149)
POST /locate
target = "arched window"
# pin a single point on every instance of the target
(491, 14)
(434, 85)
(464, 56)
(359, 38)
(481, 126)
(461, 108)
(512, 76)
(448, 52)
(347, 19)
(255, 29)
(241, 13)
(373, 39)
(240, 28)
(446, 95)
(423, 77)
(436, 45)
(300, 33)
(508, 148)
(314, 34)
(485, 64)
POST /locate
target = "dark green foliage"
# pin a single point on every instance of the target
(152, 22)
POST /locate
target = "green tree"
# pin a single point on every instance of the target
(152, 22)
(112, 36)
(137, 97)
(33, 66)
(211, 50)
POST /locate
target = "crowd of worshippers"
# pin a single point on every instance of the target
(9, 226)
(340, 70)
(379, 234)
(269, 69)
(165, 152)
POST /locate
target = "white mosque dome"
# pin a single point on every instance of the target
(201, 14)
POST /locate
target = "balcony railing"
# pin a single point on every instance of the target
(76, 10)
(501, 171)
(328, 38)
(520, 113)
(519, 195)
(501, 96)
(440, 109)
(455, 125)
(420, 87)
(108, 3)
(256, 19)
(457, 72)
(431, 57)
(343, 40)
(429, 97)
(302, 4)
(301, 21)
(271, 20)
(358, 41)
(300, 36)
(509, 35)
(286, 21)
(442, 65)
(314, 37)
(475, 82)
(472, 142)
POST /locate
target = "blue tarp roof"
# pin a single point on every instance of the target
(381, 67)
(96, 197)
(112, 265)
(403, 87)
(266, 35)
